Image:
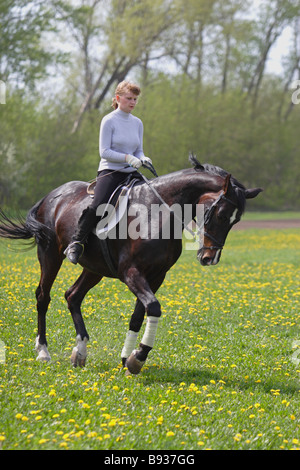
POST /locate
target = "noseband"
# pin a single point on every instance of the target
(207, 219)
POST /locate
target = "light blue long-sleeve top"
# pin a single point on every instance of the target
(120, 134)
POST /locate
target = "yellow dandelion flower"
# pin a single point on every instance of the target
(170, 434)
(63, 444)
(43, 441)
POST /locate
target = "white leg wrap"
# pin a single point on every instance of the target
(150, 331)
(81, 346)
(41, 349)
(129, 344)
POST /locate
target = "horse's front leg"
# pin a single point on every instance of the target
(146, 302)
(135, 325)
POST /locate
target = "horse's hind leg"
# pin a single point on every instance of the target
(74, 297)
(50, 262)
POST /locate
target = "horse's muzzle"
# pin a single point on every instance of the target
(209, 256)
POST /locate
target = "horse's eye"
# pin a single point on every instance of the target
(222, 215)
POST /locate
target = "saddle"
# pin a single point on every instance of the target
(119, 200)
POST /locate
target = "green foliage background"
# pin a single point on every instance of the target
(205, 89)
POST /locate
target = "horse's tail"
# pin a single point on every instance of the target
(26, 229)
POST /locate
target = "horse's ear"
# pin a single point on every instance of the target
(252, 193)
(195, 163)
(227, 183)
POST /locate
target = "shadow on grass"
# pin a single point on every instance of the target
(200, 377)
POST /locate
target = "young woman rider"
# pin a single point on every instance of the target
(121, 152)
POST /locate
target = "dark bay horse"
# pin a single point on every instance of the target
(141, 263)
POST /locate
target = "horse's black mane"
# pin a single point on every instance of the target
(238, 187)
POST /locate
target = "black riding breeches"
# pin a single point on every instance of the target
(107, 182)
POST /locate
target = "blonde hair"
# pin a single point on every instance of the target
(125, 87)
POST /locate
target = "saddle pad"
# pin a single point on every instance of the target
(105, 226)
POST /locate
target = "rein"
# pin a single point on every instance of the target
(165, 204)
(207, 218)
(152, 169)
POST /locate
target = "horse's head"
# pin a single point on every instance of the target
(221, 211)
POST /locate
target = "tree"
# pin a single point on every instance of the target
(192, 36)
(111, 38)
(274, 17)
(23, 58)
(292, 73)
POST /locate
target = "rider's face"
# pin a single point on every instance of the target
(127, 102)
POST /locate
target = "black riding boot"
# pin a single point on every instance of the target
(86, 224)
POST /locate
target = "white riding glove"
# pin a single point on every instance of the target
(146, 160)
(133, 161)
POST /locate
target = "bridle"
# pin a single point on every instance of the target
(207, 219)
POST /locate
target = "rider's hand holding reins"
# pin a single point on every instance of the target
(137, 162)
(133, 161)
(146, 161)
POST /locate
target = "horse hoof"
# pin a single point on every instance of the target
(43, 357)
(79, 353)
(133, 364)
(43, 354)
(77, 359)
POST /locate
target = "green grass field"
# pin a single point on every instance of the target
(224, 373)
(271, 215)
